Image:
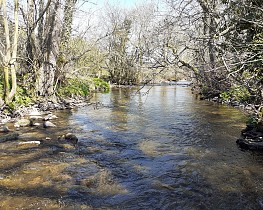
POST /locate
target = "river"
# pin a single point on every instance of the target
(159, 148)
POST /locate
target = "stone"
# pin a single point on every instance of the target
(29, 142)
(23, 123)
(34, 113)
(4, 129)
(250, 144)
(69, 137)
(50, 117)
(35, 117)
(48, 124)
(37, 124)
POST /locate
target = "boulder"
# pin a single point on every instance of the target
(69, 137)
(48, 124)
(251, 144)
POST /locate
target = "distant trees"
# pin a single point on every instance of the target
(216, 42)
(119, 61)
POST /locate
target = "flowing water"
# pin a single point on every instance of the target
(160, 149)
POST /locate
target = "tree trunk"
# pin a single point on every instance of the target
(14, 54)
(46, 72)
(10, 54)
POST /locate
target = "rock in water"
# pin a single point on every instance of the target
(22, 123)
(48, 124)
(29, 142)
(250, 144)
(72, 138)
(4, 129)
(50, 117)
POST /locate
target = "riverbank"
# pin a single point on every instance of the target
(251, 138)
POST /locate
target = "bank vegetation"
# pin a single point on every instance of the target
(51, 49)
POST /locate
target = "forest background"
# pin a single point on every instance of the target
(51, 49)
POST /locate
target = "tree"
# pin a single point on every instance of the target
(47, 41)
(119, 62)
(9, 53)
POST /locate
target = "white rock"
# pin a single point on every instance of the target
(35, 113)
(48, 124)
(50, 117)
(29, 142)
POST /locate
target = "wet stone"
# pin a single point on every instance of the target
(4, 129)
(23, 123)
(48, 124)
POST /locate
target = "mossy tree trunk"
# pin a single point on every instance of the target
(10, 53)
(64, 50)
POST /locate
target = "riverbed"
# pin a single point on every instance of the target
(154, 148)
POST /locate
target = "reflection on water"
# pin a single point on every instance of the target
(162, 150)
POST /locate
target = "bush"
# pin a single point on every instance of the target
(22, 98)
(74, 87)
(101, 85)
(237, 93)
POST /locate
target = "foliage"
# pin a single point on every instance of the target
(74, 87)
(237, 93)
(225, 96)
(101, 85)
(252, 121)
(22, 98)
(82, 86)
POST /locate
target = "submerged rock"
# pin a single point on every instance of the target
(69, 137)
(9, 137)
(251, 138)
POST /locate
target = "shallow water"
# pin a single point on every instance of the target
(161, 150)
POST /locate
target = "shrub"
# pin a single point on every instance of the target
(101, 85)
(74, 87)
(237, 93)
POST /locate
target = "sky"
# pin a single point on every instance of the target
(122, 3)
(90, 10)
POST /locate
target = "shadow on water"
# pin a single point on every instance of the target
(162, 150)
